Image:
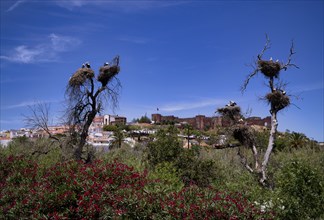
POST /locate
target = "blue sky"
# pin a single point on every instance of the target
(184, 57)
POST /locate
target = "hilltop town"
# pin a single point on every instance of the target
(100, 137)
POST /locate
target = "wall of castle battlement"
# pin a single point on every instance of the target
(202, 122)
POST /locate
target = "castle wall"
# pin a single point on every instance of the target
(201, 122)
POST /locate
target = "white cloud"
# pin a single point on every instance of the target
(309, 87)
(192, 105)
(24, 54)
(63, 43)
(26, 104)
(44, 52)
(15, 5)
(127, 6)
(21, 105)
(136, 40)
(70, 4)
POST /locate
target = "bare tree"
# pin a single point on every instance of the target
(86, 96)
(277, 98)
(39, 119)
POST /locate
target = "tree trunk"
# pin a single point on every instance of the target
(255, 155)
(84, 135)
(274, 125)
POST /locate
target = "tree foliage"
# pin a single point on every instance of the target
(301, 190)
(191, 168)
(143, 119)
(165, 148)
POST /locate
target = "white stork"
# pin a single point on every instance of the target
(232, 103)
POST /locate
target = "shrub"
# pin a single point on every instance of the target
(67, 190)
(74, 190)
(206, 203)
(127, 155)
(43, 150)
(166, 178)
(110, 127)
(194, 170)
(301, 190)
(166, 147)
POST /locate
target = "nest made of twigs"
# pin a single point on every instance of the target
(269, 68)
(244, 134)
(107, 73)
(230, 112)
(80, 76)
(277, 100)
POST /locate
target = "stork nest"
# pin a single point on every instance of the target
(230, 112)
(244, 134)
(80, 76)
(107, 73)
(269, 68)
(277, 100)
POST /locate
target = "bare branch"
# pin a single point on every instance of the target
(39, 116)
(85, 99)
(244, 161)
(288, 64)
(39, 119)
(112, 92)
(246, 82)
(256, 67)
(225, 146)
(266, 47)
(44, 152)
(248, 112)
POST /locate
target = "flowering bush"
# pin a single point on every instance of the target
(201, 203)
(74, 190)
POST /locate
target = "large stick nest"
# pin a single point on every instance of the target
(107, 73)
(230, 112)
(80, 76)
(244, 134)
(269, 68)
(277, 100)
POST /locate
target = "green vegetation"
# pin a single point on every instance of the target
(160, 179)
(301, 189)
(143, 119)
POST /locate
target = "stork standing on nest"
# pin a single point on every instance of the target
(283, 92)
(87, 64)
(231, 104)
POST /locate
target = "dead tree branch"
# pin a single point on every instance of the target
(39, 119)
(266, 47)
(288, 64)
(244, 161)
(276, 98)
(85, 98)
(256, 66)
